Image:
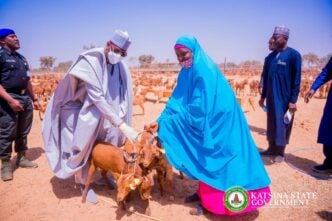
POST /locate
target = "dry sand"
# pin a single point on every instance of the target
(36, 194)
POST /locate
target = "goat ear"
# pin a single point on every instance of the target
(155, 141)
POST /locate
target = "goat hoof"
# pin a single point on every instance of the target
(122, 205)
(148, 211)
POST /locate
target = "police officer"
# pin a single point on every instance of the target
(16, 104)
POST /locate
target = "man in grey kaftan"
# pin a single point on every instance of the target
(93, 102)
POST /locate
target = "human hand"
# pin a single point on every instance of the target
(260, 90)
(261, 102)
(308, 95)
(36, 105)
(16, 105)
(128, 131)
(152, 127)
(292, 107)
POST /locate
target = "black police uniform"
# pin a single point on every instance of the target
(14, 126)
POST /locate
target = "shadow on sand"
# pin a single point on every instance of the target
(325, 215)
(266, 160)
(305, 165)
(261, 131)
(32, 154)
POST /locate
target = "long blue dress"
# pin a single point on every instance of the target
(281, 85)
(325, 128)
(204, 131)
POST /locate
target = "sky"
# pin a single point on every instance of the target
(235, 30)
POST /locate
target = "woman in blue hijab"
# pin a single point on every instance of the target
(205, 134)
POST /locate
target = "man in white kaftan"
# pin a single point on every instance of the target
(92, 103)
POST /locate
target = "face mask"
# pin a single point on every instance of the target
(187, 63)
(114, 58)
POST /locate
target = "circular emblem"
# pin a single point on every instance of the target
(236, 199)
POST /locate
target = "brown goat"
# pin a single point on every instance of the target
(42, 109)
(253, 86)
(239, 86)
(145, 191)
(145, 187)
(139, 100)
(125, 184)
(154, 158)
(244, 100)
(128, 175)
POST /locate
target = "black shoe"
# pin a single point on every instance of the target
(192, 198)
(6, 170)
(322, 169)
(268, 153)
(22, 161)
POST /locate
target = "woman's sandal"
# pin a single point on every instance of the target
(197, 211)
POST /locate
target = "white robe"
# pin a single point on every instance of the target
(88, 105)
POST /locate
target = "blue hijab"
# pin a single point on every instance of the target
(204, 131)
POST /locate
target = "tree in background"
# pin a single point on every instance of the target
(88, 47)
(250, 64)
(145, 60)
(230, 65)
(311, 60)
(63, 66)
(46, 62)
(323, 60)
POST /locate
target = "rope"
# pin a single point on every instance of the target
(136, 159)
(317, 176)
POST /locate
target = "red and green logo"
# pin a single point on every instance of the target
(236, 199)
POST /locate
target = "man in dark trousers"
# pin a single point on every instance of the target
(325, 128)
(16, 104)
(281, 85)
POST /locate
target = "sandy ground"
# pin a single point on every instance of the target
(36, 194)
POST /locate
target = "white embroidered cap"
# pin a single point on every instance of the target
(281, 30)
(121, 39)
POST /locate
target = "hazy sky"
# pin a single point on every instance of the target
(237, 30)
